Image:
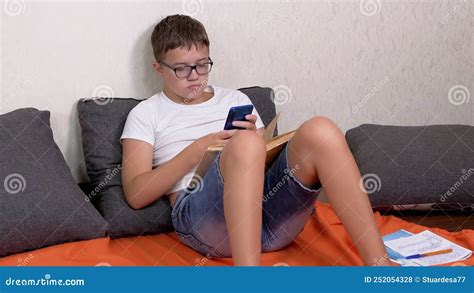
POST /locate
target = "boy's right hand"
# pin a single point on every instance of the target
(220, 137)
(201, 144)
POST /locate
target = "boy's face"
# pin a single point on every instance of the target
(187, 87)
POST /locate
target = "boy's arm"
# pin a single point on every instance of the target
(260, 131)
(139, 180)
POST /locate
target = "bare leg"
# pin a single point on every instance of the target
(242, 165)
(321, 151)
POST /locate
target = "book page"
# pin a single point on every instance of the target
(270, 129)
(395, 256)
(392, 236)
(403, 243)
(415, 244)
(458, 253)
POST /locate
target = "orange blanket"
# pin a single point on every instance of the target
(323, 242)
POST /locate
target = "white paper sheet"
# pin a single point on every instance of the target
(458, 253)
(427, 241)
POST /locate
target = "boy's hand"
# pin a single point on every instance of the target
(249, 125)
(216, 138)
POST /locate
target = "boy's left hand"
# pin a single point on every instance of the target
(248, 125)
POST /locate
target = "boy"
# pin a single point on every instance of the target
(227, 215)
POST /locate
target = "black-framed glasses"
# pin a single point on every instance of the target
(185, 71)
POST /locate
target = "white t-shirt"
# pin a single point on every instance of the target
(170, 127)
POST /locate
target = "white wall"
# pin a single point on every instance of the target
(388, 62)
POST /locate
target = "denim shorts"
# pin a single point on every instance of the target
(198, 215)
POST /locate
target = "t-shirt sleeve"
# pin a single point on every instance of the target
(244, 100)
(139, 125)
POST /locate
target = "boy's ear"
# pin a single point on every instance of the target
(158, 68)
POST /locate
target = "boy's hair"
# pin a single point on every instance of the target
(175, 31)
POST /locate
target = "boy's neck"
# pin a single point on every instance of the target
(203, 97)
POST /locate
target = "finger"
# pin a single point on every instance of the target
(229, 133)
(244, 124)
(224, 141)
(224, 134)
(251, 118)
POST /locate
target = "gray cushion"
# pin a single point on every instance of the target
(40, 203)
(416, 167)
(102, 125)
(102, 122)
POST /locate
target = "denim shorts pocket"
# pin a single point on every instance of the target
(197, 245)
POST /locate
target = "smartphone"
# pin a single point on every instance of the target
(237, 113)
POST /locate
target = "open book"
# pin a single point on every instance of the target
(401, 244)
(274, 145)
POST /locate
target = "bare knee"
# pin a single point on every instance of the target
(245, 147)
(320, 131)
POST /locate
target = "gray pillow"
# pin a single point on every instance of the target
(102, 122)
(40, 203)
(416, 167)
